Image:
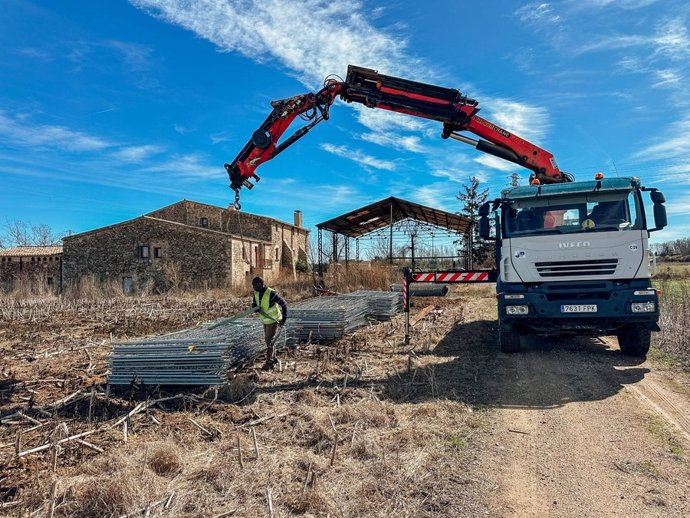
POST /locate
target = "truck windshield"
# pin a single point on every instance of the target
(591, 212)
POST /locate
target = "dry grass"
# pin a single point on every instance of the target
(675, 271)
(330, 447)
(165, 460)
(363, 275)
(674, 338)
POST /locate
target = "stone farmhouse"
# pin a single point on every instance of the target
(186, 245)
(37, 264)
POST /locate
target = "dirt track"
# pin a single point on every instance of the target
(576, 429)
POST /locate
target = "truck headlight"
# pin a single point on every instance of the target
(512, 296)
(645, 292)
(643, 307)
(517, 310)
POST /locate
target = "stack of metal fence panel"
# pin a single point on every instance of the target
(167, 364)
(325, 318)
(382, 305)
(197, 356)
(204, 354)
(329, 318)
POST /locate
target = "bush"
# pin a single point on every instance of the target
(302, 266)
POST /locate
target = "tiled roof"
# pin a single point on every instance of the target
(28, 251)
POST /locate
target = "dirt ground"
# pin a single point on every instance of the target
(446, 426)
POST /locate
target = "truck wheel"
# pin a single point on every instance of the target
(509, 341)
(634, 340)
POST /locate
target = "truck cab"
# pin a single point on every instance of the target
(574, 258)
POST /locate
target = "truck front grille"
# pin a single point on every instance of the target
(571, 268)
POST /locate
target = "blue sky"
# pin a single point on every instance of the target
(109, 110)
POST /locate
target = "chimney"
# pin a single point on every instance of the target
(298, 218)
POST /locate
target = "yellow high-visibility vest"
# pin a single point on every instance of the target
(268, 315)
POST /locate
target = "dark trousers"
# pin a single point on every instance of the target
(270, 333)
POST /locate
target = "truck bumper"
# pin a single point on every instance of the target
(544, 307)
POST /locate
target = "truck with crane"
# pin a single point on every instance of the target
(571, 257)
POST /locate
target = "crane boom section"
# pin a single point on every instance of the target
(455, 111)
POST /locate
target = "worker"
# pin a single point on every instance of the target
(607, 213)
(526, 220)
(272, 312)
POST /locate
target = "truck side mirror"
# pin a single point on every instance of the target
(484, 227)
(660, 217)
(657, 197)
(485, 209)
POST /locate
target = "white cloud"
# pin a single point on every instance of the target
(313, 38)
(358, 156)
(132, 154)
(609, 43)
(538, 13)
(34, 53)
(529, 122)
(381, 121)
(448, 174)
(337, 194)
(675, 144)
(437, 195)
(669, 40)
(431, 195)
(186, 166)
(666, 78)
(18, 130)
(633, 64)
(182, 130)
(136, 57)
(395, 141)
(672, 40)
(622, 4)
(494, 162)
(217, 138)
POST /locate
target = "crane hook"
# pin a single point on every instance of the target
(237, 204)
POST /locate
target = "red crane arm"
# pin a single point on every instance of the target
(456, 111)
(264, 145)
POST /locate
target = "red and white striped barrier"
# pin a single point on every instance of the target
(451, 277)
(405, 291)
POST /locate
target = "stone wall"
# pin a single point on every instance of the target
(293, 243)
(194, 245)
(249, 225)
(44, 269)
(178, 256)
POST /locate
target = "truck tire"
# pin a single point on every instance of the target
(634, 340)
(509, 341)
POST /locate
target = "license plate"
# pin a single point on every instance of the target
(579, 308)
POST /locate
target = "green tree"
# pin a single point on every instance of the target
(472, 197)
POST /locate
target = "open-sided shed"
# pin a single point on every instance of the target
(410, 221)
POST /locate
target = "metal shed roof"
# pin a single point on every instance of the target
(378, 215)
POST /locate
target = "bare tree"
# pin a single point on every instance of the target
(21, 233)
(379, 249)
(327, 245)
(43, 235)
(16, 233)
